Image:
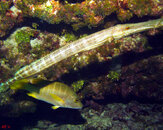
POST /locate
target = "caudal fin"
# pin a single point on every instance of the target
(19, 84)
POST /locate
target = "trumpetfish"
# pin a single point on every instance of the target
(84, 44)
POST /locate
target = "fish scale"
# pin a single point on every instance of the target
(84, 44)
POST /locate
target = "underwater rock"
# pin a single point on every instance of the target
(89, 13)
(23, 47)
(11, 106)
(143, 78)
(41, 44)
(9, 18)
(94, 75)
(131, 115)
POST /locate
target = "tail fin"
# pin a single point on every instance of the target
(5, 86)
(28, 83)
(7, 83)
(19, 84)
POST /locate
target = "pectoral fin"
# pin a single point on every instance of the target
(55, 107)
(55, 97)
(32, 95)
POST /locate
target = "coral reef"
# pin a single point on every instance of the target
(133, 115)
(9, 17)
(113, 75)
(143, 78)
(77, 85)
(137, 80)
(11, 106)
(26, 45)
(89, 13)
(19, 49)
(121, 69)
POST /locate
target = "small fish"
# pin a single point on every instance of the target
(56, 93)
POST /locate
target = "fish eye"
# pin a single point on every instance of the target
(76, 100)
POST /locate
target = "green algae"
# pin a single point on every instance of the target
(35, 25)
(69, 37)
(4, 6)
(78, 85)
(22, 36)
(113, 75)
(3, 89)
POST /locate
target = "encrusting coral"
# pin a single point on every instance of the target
(9, 17)
(89, 13)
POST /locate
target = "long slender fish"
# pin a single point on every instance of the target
(90, 42)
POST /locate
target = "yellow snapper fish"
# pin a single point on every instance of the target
(56, 93)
